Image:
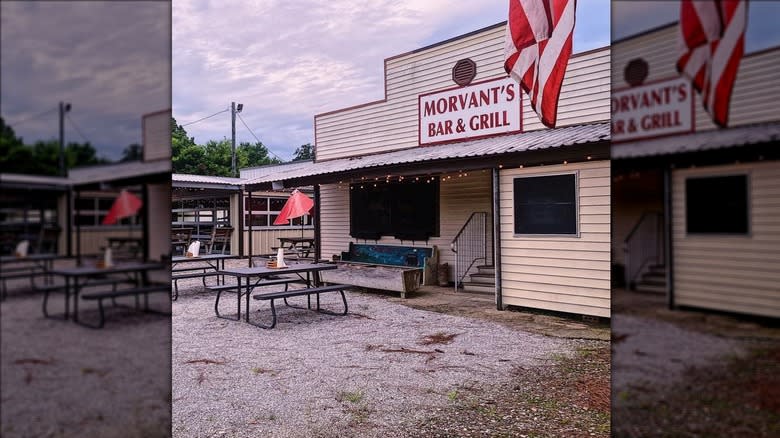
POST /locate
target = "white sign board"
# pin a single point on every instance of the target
(478, 110)
(652, 110)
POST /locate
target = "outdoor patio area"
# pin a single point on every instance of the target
(385, 369)
(60, 379)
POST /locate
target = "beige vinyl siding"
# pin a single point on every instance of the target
(93, 239)
(756, 90)
(566, 273)
(731, 273)
(392, 124)
(459, 197)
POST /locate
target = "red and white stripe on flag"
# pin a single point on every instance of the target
(712, 42)
(537, 49)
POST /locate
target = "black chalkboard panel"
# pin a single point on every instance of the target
(717, 205)
(546, 204)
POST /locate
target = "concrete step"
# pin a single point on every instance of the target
(471, 286)
(483, 278)
(653, 281)
(651, 288)
(487, 269)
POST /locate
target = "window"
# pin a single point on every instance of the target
(717, 205)
(546, 204)
(91, 208)
(202, 215)
(404, 210)
(265, 210)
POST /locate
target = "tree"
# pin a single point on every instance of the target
(42, 157)
(304, 152)
(133, 152)
(253, 155)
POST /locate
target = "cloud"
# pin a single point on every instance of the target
(110, 60)
(287, 61)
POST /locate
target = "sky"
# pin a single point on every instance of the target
(109, 60)
(630, 17)
(287, 61)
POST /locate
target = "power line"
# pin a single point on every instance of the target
(76, 127)
(31, 117)
(208, 117)
(258, 140)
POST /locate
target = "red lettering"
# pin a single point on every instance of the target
(510, 92)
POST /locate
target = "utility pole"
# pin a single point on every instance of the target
(233, 111)
(64, 107)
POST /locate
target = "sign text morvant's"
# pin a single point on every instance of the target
(482, 109)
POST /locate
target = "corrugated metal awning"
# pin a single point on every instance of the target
(135, 171)
(33, 182)
(698, 141)
(493, 146)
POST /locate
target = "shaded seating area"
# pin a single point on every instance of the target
(180, 240)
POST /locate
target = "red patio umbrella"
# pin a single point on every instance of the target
(297, 205)
(125, 205)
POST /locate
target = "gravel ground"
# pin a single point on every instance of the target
(60, 379)
(687, 373)
(650, 352)
(380, 371)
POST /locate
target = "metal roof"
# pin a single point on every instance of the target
(699, 141)
(33, 180)
(206, 179)
(272, 169)
(118, 171)
(528, 141)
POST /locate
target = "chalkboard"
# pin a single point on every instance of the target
(546, 204)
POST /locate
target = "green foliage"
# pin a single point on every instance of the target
(133, 152)
(304, 152)
(42, 157)
(214, 157)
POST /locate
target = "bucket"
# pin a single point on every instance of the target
(444, 274)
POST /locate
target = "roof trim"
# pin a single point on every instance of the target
(701, 141)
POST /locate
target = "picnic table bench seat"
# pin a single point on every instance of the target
(113, 294)
(234, 288)
(201, 275)
(308, 292)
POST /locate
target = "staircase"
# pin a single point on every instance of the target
(482, 281)
(653, 280)
(470, 248)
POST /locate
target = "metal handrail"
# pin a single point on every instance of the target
(643, 246)
(469, 245)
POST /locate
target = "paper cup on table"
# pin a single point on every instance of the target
(280, 258)
(108, 259)
(21, 248)
(194, 249)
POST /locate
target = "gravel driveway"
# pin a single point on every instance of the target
(375, 372)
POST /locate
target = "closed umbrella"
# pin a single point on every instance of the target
(125, 205)
(297, 205)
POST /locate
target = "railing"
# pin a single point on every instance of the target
(644, 246)
(470, 245)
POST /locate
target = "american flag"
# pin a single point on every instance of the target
(712, 40)
(537, 49)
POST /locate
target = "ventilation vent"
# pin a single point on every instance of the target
(464, 72)
(635, 72)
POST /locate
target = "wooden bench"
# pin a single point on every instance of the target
(113, 294)
(308, 292)
(384, 267)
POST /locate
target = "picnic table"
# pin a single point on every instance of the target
(78, 277)
(29, 266)
(209, 265)
(249, 278)
(302, 246)
(129, 247)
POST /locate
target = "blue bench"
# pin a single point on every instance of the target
(389, 255)
(383, 267)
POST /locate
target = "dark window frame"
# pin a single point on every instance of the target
(518, 232)
(698, 232)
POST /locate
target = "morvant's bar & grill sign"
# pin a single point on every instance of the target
(478, 110)
(652, 110)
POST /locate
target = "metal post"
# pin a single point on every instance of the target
(497, 237)
(250, 226)
(233, 138)
(62, 139)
